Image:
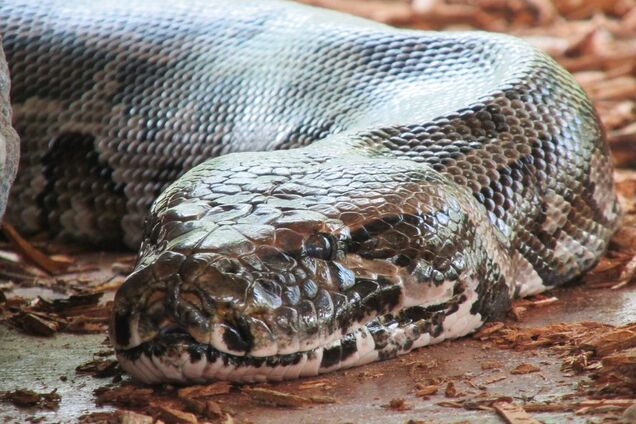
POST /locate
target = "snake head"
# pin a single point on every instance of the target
(297, 257)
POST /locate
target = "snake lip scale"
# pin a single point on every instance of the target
(308, 191)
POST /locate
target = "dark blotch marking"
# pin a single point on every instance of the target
(408, 345)
(331, 357)
(349, 346)
(196, 352)
(415, 313)
(493, 301)
(382, 301)
(122, 329)
(377, 303)
(291, 359)
(437, 330)
(238, 337)
(364, 287)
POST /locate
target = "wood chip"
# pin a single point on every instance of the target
(427, 390)
(627, 274)
(110, 417)
(32, 254)
(130, 417)
(36, 324)
(596, 406)
(126, 395)
(608, 342)
(450, 404)
(490, 365)
(175, 416)
(476, 403)
(315, 384)
(321, 399)
(513, 414)
(548, 407)
(29, 398)
(100, 368)
(488, 329)
(495, 379)
(199, 391)
(623, 403)
(213, 410)
(276, 398)
(397, 404)
(618, 371)
(525, 369)
(204, 408)
(450, 390)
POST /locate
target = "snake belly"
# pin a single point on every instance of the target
(331, 191)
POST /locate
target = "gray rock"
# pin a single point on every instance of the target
(9, 141)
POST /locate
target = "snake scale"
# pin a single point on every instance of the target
(328, 191)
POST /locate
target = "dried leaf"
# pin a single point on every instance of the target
(130, 417)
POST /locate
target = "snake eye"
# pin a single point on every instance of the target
(319, 246)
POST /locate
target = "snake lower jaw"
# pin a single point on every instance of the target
(173, 355)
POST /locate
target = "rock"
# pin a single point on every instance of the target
(9, 141)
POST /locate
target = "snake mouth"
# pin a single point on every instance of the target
(163, 332)
(175, 356)
(175, 353)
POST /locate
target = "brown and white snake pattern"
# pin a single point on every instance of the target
(359, 190)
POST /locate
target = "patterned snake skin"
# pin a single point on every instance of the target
(433, 177)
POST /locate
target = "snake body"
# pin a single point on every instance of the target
(359, 190)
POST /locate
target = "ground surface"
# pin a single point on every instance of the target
(523, 370)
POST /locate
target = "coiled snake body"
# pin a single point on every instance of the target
(413, 183)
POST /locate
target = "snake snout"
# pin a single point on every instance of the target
(140, 310)
(196, 298)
